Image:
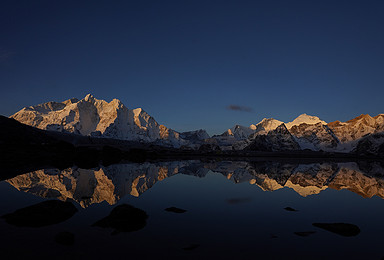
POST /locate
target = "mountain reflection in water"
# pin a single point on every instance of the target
(276, 209)
(111, 183)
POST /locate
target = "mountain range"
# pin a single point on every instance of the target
(98, 118)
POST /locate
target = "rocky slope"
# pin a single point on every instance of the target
(371, 145)
(276, 140)
(350, 132)
(238, 136)
(314, 137)
(195, 138)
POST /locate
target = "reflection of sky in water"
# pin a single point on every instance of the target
(226, 219)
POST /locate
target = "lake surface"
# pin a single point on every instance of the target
(234, 210)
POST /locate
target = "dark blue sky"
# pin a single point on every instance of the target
(185, 62)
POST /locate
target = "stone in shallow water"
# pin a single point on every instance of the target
(304, 233)
(124, 218)
(290, 209)
(65, 238)
(343, 229)
(175, 210)
(42, 214)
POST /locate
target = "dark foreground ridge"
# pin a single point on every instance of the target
(25, 148)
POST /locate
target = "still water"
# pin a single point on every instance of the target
(233, 210)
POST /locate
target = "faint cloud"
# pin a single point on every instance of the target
(239, 108)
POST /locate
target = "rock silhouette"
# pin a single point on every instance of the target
(290, 209)
(42, 214)
(124, 218)
(304, 233)
(343, 229)
(175, 210)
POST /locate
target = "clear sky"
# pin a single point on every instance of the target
(188, 62)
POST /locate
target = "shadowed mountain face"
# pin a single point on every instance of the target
(88, 186)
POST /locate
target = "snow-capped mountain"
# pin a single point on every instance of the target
(269, 124)
(372, 144)
(98, 118)
(310, 132)
(350, 132)
(314, 137)
(195, 136)
(266, 125)
(279, 139)
(238, 136)
(240, 132)
(305, 119)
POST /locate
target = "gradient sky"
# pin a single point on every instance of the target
(187, 62)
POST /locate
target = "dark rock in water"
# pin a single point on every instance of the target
(124, 218)
(42, 214)
(191, 247)
(290, 209)
(65, 238)
(343, 229)
(305, 233)
(175, 210)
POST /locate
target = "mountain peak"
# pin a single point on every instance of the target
(362, 116)
(98, 118)
(137, 111)
(304, 118)
(89, 97)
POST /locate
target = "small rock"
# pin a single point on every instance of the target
(305, 233)
(342, 229)
(290, 209)
(42, 214)
(124, 218)
(175, 210)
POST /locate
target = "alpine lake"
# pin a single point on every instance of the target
(264, 209)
